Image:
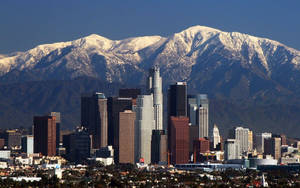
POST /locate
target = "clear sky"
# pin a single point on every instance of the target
(27, 23)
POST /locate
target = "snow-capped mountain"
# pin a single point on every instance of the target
(208, 59)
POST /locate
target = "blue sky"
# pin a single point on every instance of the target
(25, 24)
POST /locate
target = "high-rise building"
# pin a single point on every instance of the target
(58, 123)
(241, 135)
(115, 105)
(127, 137)
(179, 138)
(155, 88)
(177, 104)
(13, 139)
(216, 136)
(259, 141)
(231, 149)
(250, 140)
(94, 117)
(159, 147)
(272, 146)
(198, 112)
(45, 135)
(202, 121)
(144, 125)
(27, 144)
(2, 143)
(78, 145)
(177, 100)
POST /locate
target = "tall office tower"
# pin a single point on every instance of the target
(201, 145)
(58, 123)
(259, 141)
(94, 117)
(272, 146)
(115, 105)
(155, 88)
(177, 104)
(231, 149)
(216, 136)
(27, 144)
(177, 99)
(179, 138)
(198, 112)
(45, 135)
(192, 108)
(250, 140)
(144, 125)
(202, 121)
(159, 147)
(13, 139)
(127, 137)
(240, 134)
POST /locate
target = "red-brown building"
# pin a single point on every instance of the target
(179, 138)
(45, 135)
(127, 137)
(200, 146)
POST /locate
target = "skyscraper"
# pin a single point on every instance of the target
(177, 104)
(58, 123)
(259, 141)
(231, 149)
(27, 144)
(177, 99)
(241, 135)
(94, 117)
(250, 140)
(144, 124)
(45, 135)
(78, 145)
(216, 136)
(198, 112)
(272, 146)
(202, 121)
(179, 138)
(127, 137)
(159, 147)
(155, 88)
(115, 105)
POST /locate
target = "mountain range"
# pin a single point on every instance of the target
(255, 79)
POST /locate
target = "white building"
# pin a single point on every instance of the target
(27, 144)
(202, 121)
(155, 88)
(231, 149)
(144, 124)
(242, 136)
(216, 136)
(259, 141)
(5, 154)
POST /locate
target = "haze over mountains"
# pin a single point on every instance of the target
(251, 81)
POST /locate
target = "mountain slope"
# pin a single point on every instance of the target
(189, 56)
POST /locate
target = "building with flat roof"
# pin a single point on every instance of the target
(45, 135)
(94, 118)
(179, 138)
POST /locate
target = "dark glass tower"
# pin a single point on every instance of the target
(94, 117)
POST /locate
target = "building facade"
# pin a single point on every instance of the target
(127, 137)
(272, 146)
(155, 88)
(216, 136)
(179, 138)
(94, 118)
(28, 144)
(259, 141)
(144, 124)
(45, 135)
(231, 149)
